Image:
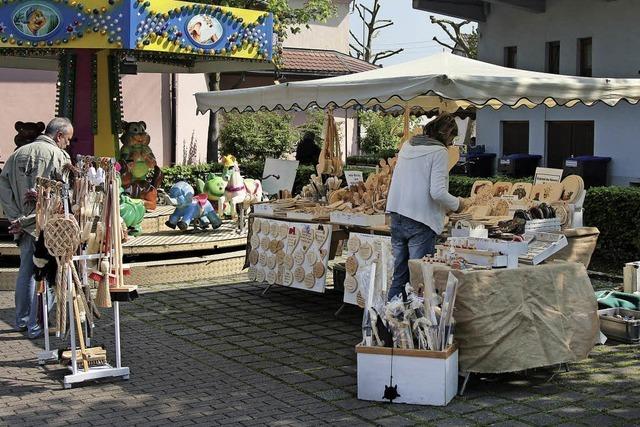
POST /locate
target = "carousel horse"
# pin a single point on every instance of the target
(240, 194)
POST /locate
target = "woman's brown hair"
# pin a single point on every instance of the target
(443, 128)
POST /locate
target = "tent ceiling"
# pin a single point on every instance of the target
(443, 81)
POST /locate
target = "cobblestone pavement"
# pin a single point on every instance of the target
(205, 354)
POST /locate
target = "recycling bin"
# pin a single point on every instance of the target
(592, 169)
(481, 165)
(519, 165)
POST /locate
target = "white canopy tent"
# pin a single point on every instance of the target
(443, 81)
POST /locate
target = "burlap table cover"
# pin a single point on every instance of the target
(511, 320)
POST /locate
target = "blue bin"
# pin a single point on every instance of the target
(592, 169)
(519, 165)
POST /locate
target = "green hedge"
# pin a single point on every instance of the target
(615, 211)
(371, 159)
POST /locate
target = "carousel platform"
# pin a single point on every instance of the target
(162, 255)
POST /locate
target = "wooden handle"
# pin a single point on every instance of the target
(76, 315)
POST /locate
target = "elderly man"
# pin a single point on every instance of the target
(44, 157)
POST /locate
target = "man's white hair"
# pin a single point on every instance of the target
(58, 124)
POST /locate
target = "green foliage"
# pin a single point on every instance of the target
(383, 131)
(371, 159)
(255, 136)
(615, 211)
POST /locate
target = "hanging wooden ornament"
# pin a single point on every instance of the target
(321, 234)
(260, 275)
(298, 257)
(253, 257)
(306, 239)
(255, 241)
(287, 278)
(351, 265)
(271, 277)
(271, 262)
(280, 257)
(273, 229)
(318, 270)
(365, 251)
(251, 273)
(288, 261)
(353, 244)
(311, 257)
(264, 243)
(283, 229)
(262, 258)
(292, 239)
(257, 225)
(350, 283)
(309, 281)
(298, 274)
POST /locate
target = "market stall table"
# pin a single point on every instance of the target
(510, 320)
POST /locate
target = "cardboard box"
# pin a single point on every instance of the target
(422, 377)
(630, 272)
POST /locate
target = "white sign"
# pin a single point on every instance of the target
(547, 175)
(509, 197)
(353, 177)
(571, 163)
(278, 175)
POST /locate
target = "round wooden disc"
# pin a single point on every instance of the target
(271, 262)
(311, 257)
(255, 241)
(251, 273)
(521, 190)
(288, 261)
(280, 244)
(260, 275)
(351, 265)
(262, 258)
(298, 257)
(321, 234)
(287, 278)
(318, 270)
(271, 277)
(264, 243)
(257, 225)
(298, 274)
(253, 257)
(561, 212)
(280, 257)
(309, 281)
(365, 251)
(353, 245)
(350, 283)
(572, 187)
(273, 246)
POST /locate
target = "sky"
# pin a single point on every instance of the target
(412, 31)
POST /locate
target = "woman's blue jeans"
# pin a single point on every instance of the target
(410, 239)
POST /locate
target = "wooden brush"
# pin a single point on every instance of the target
(95, 356)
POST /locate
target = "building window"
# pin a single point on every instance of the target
(510, 56)
(515, 138)
(553, 58)
(585, 57)
(566, 139)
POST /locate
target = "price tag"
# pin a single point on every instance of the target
(571, 163)
(353, 177)
(509, 197)
(505, 161)
(547, 175)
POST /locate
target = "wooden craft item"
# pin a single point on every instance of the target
(253, 257)
(321, 234)
(351, 265)
(264, 243)
(279, 276)
(260, 275)
(502, 189)
(255, 241)
(309, 281)
(562, 213)
(280, 257)
(311, 257)
(298, 257)
(360, 301)
(483, 195)
(283, 229)
(251, 274)
(273, 246)
(298, 274)
(324, 254)
(365, 251)
(271, 262)
(293, 237)
(257, 225)
(547, 192)
(288, 261)
(353, 244)
(306, 239)
(480, 184)
(271, 277)
(318, 270)
(262, 258)
(350, 283)
(522, 190)
(479, 212)
(572, 188)
(287, 278)
(273, 229)
(501, 208)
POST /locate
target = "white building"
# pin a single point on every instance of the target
(575, 37)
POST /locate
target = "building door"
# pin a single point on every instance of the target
(567, 139)
(515, 138)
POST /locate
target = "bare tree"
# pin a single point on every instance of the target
(362, 49)
(465, 44)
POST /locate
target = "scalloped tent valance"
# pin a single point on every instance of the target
(444, 81)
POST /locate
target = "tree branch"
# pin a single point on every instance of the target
(435, 39)
(385, 54)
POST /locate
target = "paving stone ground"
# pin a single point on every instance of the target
(219, 353)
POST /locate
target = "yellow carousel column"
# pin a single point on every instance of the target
(105, 141)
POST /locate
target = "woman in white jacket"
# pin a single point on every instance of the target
(419, 196)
